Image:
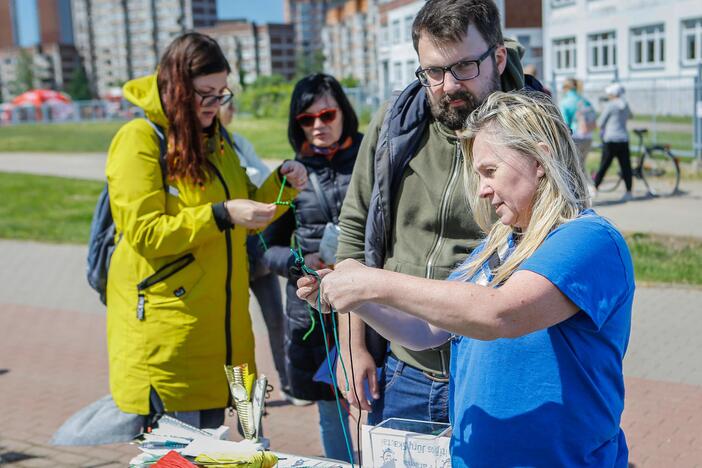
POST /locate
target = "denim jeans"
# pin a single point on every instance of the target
(332, 432)
(406, 392)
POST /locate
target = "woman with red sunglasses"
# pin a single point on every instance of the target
(323, 132)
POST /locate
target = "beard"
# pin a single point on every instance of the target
(454, 118)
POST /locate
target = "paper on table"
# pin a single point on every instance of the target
(202, 445)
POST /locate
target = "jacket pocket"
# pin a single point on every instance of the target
(172, 282)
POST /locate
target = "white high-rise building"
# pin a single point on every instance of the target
(124, 39)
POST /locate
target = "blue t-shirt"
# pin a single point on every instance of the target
(553, 397)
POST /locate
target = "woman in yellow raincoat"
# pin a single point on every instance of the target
(177, 291)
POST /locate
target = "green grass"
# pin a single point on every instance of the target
(60, 138)
(269, 136)
(55, 209)
(677, 140)
(666, 259)
(43, 208)
(678, 119)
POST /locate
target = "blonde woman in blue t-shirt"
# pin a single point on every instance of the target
(539, 315)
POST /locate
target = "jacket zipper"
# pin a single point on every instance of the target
(228, 285)
(163, 273)
(443, 211)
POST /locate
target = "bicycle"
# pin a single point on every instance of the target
(657, 167)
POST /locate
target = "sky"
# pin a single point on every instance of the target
(28, 22)
(260, 11)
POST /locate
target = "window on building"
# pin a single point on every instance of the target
(602, 51)
(560, 3)
(647, 46)
(396, 32)
(691, 43)
(408, 28)
(410, 68)
(384, 35)
(397, 78)
(564, 55)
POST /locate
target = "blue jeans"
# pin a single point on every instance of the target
(406, 392)
(331, 430)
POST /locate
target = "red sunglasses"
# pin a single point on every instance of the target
(325, 115)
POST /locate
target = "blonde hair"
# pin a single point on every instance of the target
(530, 124)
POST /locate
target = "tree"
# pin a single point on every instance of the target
(25, 74)
(79, 87)
(307, 64)
(350, 82)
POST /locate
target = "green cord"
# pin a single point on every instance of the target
(263, 241)
(280, 194)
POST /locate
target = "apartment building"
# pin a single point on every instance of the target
(52, 57)
(124, 39)
(276, 49)
(397, 59)
(645, 44)
(8, 24)
(348, 39)
(255, 50)
(308, 18)
(522, 20)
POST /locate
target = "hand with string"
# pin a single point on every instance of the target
(249, 213)
(345, 288)
(295, 173)
(342, 280)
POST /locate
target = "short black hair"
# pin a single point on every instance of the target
(447, 21)
(308, 90)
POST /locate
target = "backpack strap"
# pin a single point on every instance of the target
(162, 148)
(231, 141)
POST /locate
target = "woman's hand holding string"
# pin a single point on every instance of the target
(295, 173)
(248, 213)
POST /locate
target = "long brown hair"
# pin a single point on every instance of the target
(187, 57)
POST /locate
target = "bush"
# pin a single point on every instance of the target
(267, 97)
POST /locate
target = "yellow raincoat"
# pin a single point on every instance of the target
(177, 289)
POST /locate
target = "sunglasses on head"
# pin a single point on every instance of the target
(325, 115)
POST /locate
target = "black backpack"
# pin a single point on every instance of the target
(102, 228)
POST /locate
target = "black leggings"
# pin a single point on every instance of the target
(609, 151)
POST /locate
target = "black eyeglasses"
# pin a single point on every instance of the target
(208, 100)
(462, 71)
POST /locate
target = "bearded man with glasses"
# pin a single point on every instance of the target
(405, 209)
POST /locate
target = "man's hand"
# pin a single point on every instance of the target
(363, 370)
(248, 213)
(296, 174)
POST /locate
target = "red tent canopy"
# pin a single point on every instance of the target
(37, 97)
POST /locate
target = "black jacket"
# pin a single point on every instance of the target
(306, 223)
